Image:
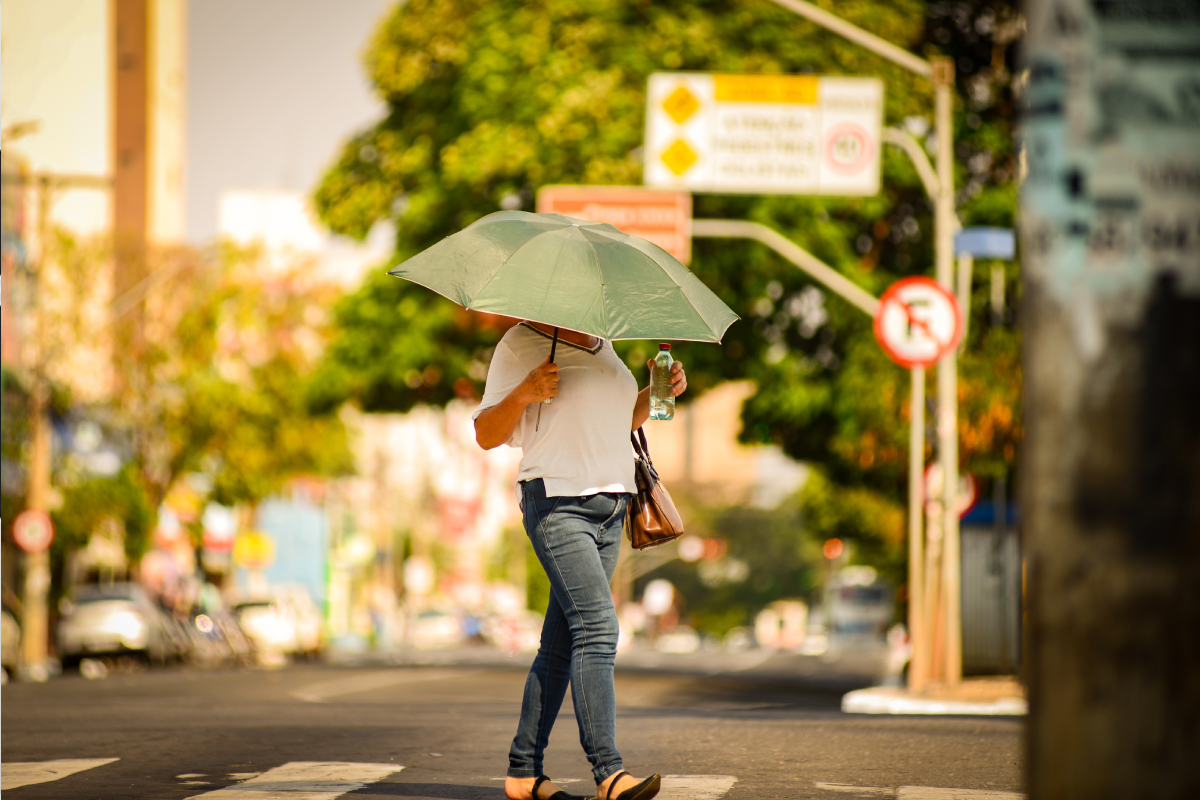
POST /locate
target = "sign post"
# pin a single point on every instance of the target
(917, 324)
(772, 152)
(33, 532)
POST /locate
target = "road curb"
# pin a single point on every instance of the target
(889, 700)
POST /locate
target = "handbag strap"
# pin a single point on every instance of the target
(642, 450)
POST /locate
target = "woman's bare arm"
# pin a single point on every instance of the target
(495, 425)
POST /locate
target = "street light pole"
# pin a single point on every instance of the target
(941, 72)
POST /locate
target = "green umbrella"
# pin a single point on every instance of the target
(570, 273)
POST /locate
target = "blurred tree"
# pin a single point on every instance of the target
(219, 387)
(763, 560)
(489, 101)
(94, 498)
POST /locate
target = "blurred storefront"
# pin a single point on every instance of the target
(431, 508)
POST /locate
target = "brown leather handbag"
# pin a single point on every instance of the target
(652, 519)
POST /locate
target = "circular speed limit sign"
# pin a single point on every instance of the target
(918, 322)
(33, 531)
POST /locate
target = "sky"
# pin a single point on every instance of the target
(274, 88)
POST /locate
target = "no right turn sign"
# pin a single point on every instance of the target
(918, 322)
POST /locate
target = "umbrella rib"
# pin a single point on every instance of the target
(618, 235)
(678, 288)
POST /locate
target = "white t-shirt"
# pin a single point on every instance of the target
(581, 446)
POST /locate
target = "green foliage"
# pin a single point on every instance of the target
(487, 102)
(88, 503)
(537, 585)
(222, 382)
(769, 557)
(870, 523)
(398, 344)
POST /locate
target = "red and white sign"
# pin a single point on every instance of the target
(33, 531)
(965, 497)
(664, 218)
(918, 322)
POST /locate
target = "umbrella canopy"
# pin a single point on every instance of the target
(570, 273)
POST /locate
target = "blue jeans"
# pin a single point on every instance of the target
(578, 540)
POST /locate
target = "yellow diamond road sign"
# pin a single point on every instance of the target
(679, 157)
(763, 134)
(681, 104)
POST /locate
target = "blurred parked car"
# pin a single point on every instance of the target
(432, 630)
(679, 640)
(519, 632)
(10, 643)
(116, 619)
(284, 621)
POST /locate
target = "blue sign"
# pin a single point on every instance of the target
(985, 243)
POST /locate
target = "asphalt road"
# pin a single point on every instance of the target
(443, 732)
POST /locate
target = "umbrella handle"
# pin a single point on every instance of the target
(548, 400)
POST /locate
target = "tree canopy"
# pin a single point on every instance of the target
(487, 101)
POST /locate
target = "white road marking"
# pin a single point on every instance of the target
(921, 792)
(555, 781)
(305, 780)
(26, 773)
(932, 793)
(191, 775)
(695, 787)
(320, 692)
(848, 788)
(681, 787)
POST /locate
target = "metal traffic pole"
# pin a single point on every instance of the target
(941, 72)
(918, 668)
(947, 374)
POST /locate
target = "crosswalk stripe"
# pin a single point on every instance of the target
(695, 787)
(921, 792)
(935, 793)
(25, 773)
(305, 780)
(679, 787)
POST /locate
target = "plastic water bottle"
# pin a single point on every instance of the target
(662, 401)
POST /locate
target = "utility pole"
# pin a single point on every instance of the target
(34, 611)
(130, 207)
(1110, 473)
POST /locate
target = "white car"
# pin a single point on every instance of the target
(114, 619)
(283, 621)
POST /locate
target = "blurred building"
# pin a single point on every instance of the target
(92, 125)
(93, 113)
(427, 496)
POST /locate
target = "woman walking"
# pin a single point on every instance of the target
(576, 477)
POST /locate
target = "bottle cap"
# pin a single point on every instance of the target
(664, 347)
